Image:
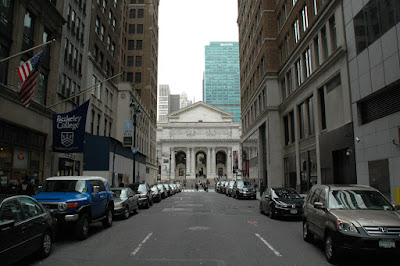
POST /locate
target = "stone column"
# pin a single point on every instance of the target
(188, 159)
(193, 162)
(173, 166)
(213, 164)
(209, 159)
(229, 163)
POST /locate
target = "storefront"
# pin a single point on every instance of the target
(21, 153)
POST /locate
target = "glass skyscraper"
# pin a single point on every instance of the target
(222, 77)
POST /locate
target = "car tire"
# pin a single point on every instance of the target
(271, 212)
(46, 245)
(82, 227)
(307, 235)
(136, 211)
(126, 213)
(331, 249)
(261, 208)
(108, 220)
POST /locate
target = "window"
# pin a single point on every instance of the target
(139, 28)
(97, 27)
(138, 77)
(98, 124)
(104, 9)
(296, 30)
(324, 47)
(289, 81)
(130, 61)
(113, 49)
(299, 72)
(317, 51)
(283, 88)
(29, 23)
(132, 13)
(315, 4)
(304, 17)
(138, 61)
(11, 210)
(139, 44)
(322, 111)
(110, 15)
(131, 29)
(308, 62)
(31, 208)
(131, 44)
(108, 42)
(129, 76)
(332, 27)
(140, 13)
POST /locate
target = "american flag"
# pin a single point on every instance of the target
(28, 74)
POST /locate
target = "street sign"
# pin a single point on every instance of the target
(134, 150)
(127, 141)
(127, 133)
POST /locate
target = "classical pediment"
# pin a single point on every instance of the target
(200, 112)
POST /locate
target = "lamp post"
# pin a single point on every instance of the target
(136, 111)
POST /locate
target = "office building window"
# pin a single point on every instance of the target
(321, 95)
(304, 16)
(131, 44)
(138, 61)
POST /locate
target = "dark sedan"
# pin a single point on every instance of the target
(125, 202)
(277, 202)
(26, 227)
(156, 193)
(243, 189)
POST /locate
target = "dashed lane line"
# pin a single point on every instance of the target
(141, 244)
(269, 245)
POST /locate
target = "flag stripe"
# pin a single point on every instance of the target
(28, 74)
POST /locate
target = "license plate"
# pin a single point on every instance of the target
(293, 211)
(387, 243)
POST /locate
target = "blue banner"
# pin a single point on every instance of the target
(69, 130)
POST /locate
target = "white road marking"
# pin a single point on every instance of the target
(141, 244)
(269, 246)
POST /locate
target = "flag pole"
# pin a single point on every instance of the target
(23, 52)
(85, 90)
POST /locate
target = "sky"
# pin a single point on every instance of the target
(185, 28)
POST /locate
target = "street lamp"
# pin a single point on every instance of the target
(136, 110)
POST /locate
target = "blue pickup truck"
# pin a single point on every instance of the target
(78, 200)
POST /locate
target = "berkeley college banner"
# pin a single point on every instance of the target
(69, 130)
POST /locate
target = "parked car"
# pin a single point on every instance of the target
(244, 189)
(163, 191)
(278, 202)
(26, 227)
(173, 189)
(168, 189)
(156, 193)
(229, 188)
(145, 195)
(78, 200)
(351, 218)
(125, 202)
(224, 187)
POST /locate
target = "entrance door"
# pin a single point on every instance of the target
(379, 176)
(343, 172)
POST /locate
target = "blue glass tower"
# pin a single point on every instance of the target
(222, 77)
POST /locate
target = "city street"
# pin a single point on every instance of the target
(193, 228)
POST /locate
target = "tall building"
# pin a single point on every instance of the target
(295, 94)
(26, 133)
(373, 45)
(184, 101)
(163, 103)
(222, 77)
(174, 102)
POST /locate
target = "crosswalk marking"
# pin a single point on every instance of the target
(200, 190)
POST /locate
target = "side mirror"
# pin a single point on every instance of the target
(319, 205)
(96, 189)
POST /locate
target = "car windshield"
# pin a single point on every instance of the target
(64, 186)
(358, 200)
(287, 194)
(119, 193)
(142, 188)
(160, 187)
(243, 183)
(154, 188)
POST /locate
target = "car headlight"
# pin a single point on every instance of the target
(143, 196)
(346, 227)
(117, 204)
(241, 189)
(62, 206)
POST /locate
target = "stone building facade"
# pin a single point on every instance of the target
(200, 142)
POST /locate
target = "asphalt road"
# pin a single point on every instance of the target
(193, 228)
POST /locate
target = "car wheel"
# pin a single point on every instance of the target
(126, 213)
(271, 212)
(45, 247)
(261, 209)
(331, 251)
(136, 211)
(307, 235)
(107, 222)
(82, 227)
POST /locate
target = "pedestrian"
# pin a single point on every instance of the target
(197, 187)
(26, 187)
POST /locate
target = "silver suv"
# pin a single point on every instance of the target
(351, 217)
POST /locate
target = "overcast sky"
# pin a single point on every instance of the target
(185, 28)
